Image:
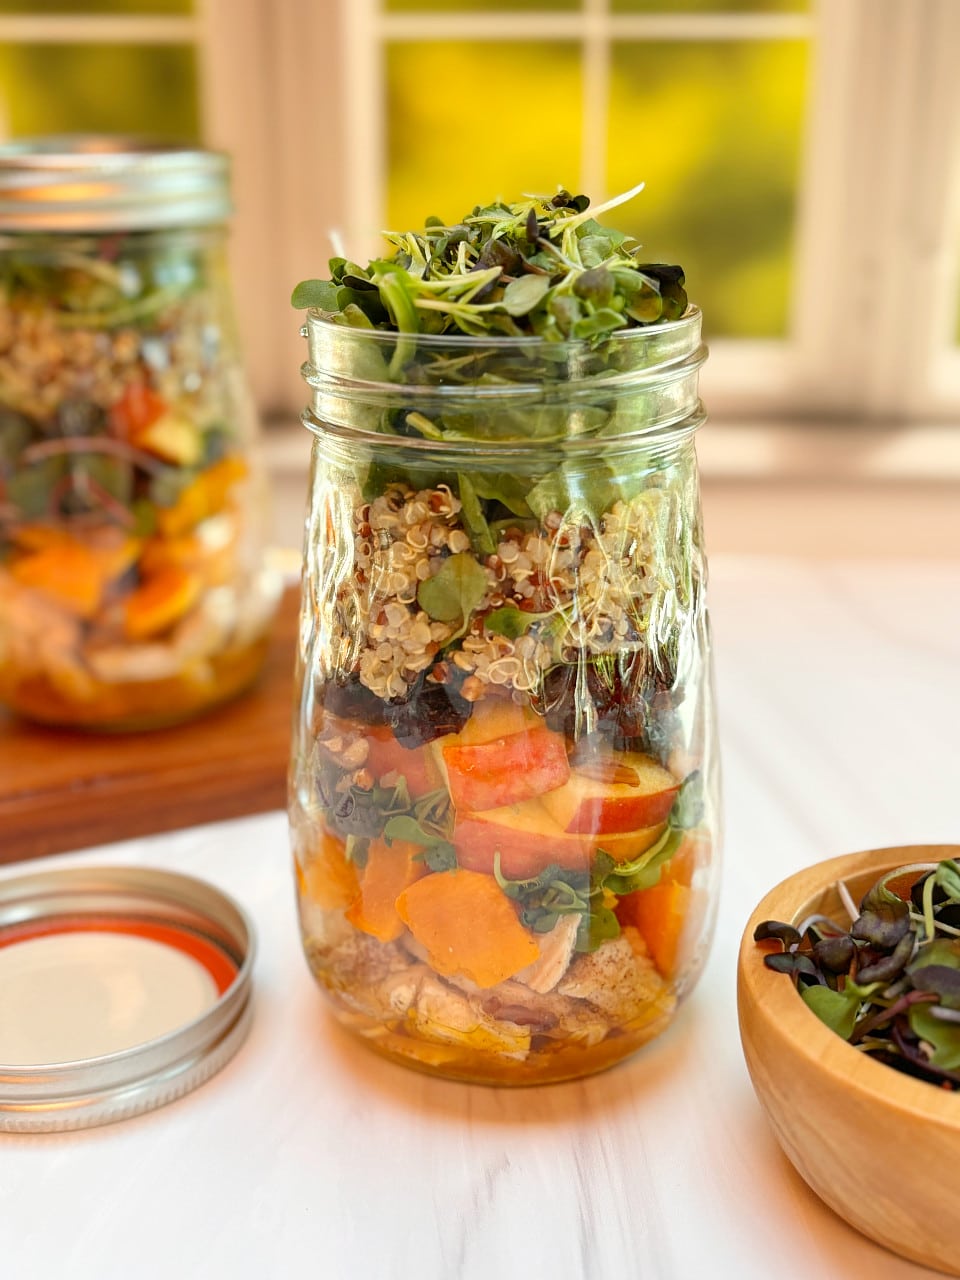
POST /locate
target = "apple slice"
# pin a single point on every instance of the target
(619, 791)
(172, 438)
(529, 840)
(626, 846)
(494, 717)
(526, 837)
(506, 770)
(387, 755)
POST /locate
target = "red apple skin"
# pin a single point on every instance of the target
(529, 840)
(589, 804)
(506, 770)
(601, 816)
(525, 836)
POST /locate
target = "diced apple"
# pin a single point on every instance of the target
(528, 840)
(506, 770)
(626, 846)
(172, 438)
(621, 791)
(494, 718)
(526, 837)
(387, 756)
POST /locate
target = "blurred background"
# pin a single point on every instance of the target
(802, 162)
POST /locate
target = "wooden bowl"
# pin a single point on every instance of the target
(881, 1148)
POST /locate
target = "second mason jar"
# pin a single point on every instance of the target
(132, 585)
(504, 785)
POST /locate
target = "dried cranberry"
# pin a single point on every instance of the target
(351, 700)
(429, 711)
(627, 706)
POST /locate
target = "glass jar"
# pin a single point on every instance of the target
(132, 587)
(504, 785)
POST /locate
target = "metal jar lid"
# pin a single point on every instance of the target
(91, 182)
(131, 985)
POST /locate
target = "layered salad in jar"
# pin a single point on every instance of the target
(502, 796)
(130, 584)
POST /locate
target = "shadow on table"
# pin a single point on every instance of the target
(642, 1078)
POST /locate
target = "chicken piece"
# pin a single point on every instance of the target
(544, 1014)
(556, 951)
(123, 663)
(257, 607)
(39, 638)
(443, 1014)
(620, 980)
(397, 993)
(206, 630)
(373, 977)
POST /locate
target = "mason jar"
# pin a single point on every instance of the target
(504, 782)
(132, 586)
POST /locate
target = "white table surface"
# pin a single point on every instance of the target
(839, 688)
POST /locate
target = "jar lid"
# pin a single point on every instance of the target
(108, 182)
(121, 989)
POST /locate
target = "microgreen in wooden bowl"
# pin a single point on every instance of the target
(888, 980)
(876, 1144)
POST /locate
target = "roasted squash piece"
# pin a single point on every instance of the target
(160, 602)
(389, 870)
(327, 877)
(467, 926)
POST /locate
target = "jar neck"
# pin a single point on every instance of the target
(468, 394)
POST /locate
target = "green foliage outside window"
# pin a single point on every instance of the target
(54, 88)
(713, 128)
(478, 121)
(74, 7)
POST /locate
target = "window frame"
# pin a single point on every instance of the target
(881, 79)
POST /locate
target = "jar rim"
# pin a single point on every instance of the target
(666, 434)
(110, 182)
(322, 321)
(362, 362)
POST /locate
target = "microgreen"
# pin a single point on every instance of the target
(454, 591)
(890, 984)
(542, 266)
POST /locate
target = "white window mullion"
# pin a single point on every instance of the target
(874, 235)
(236, 75)
(915, 86)
(308, 203)
(595, 69)
(364, 115)
(828, 346)
(934, 207)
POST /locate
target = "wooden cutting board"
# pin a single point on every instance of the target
(61, 790)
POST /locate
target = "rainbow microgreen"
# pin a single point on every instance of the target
(543, 266)
(890, 984)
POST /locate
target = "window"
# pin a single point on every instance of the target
(802, 158)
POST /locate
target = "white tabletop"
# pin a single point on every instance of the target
(308, 1156)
